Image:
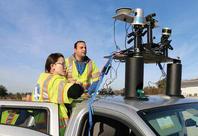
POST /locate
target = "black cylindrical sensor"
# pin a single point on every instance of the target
(173, 81)
(134, 74)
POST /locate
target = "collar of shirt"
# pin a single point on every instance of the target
(80, 66)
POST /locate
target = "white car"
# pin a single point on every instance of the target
(113, 116)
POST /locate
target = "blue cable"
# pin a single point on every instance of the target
(162, 70)
(93, 97)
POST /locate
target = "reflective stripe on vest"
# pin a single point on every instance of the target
(60, 92)
(89, 71)
(45, 94)
(96, 75)
(70, 68)
(70, 61)
(86, 85)
(63, 122)
(9, 117)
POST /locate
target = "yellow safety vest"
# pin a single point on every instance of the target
(9, 117)
(90, 74)
(53, 88)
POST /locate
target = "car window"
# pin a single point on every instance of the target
(174, 120)
(191, 121)
(31, 118)
(106, 126)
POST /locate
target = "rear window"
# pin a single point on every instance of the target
(174, 120)
(36, 119)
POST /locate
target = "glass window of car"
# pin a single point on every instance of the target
(173, 120)
(36, 119)
(106, 126)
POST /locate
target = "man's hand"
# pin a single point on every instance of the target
(85, 96)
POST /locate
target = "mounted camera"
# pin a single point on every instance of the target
(138, 17)
(165, 42)
(166, 31)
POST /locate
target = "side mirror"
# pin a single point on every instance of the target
(190, 123)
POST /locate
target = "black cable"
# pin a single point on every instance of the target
(117, 47)
(111, 79)
(126, 34)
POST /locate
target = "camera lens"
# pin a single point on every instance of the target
(166, 31)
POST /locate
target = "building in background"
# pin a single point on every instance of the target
(190, 88)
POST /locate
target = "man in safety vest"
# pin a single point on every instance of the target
(81, 69)
(52, 86)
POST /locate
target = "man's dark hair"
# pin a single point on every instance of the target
(80, 41)
(52, 59)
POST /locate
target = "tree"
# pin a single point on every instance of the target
(106, 91)
(3, 91)
(151, 90)
(18, 96)
(161, 84)
(160, 89)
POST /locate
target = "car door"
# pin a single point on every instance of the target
(24, 119)
(105, 123)
(6, 130)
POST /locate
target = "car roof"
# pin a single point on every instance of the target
(134, 103)
(25, 103)
(137, 104)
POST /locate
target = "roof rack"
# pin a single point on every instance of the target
(149, 52)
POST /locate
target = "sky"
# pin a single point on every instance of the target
(30, 30)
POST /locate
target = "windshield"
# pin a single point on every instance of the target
(174, 120)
